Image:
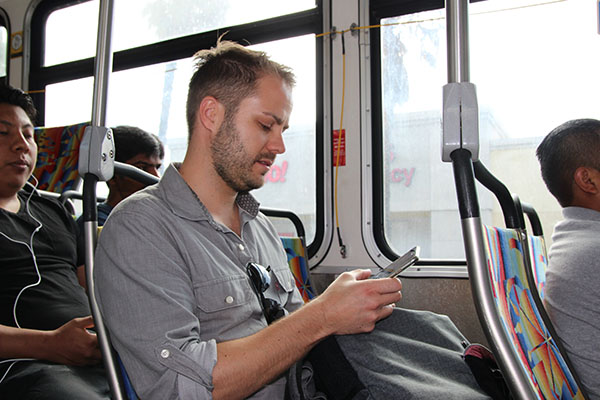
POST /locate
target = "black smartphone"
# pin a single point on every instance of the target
(401, 263)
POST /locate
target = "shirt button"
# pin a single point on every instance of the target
(228, 299)
(164, 353)
(241, 247)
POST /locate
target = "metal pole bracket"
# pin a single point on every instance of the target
(460, 120)
(97, 153)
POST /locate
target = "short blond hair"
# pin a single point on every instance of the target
(229, 72)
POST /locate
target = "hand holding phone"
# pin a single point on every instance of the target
(404, 261)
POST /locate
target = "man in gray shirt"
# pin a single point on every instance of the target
(570, 163)
(177, 252)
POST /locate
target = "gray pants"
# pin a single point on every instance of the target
(409, 355)
(38, 380)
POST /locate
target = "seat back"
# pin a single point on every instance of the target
(538, 353)
(298, 263)
(539, 262)
(512, 316)
(297, 256)
(58, 155)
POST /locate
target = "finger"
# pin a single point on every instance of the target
(385, 311)
(84, 322)
(389, 298)
(360, 274)
(90, 332)
(386, 285)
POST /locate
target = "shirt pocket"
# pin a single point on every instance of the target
(284, 283)
(226, 300)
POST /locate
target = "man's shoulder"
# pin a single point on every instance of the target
(146, 210)
(148, 199)
(263, 224)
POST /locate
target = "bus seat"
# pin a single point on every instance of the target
(537, 351)
(127, 386)
(296, 255)
(295, 249)
(58, 155)
(518, 329)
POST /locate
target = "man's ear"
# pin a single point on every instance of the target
(587, 179)
(209, 113)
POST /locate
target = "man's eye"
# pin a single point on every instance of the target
(265, 127)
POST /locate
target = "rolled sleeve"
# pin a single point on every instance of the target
(156, 332)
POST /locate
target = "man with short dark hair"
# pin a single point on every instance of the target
(570, 164)
(46, 349)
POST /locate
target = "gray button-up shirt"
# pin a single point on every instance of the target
(172, 282)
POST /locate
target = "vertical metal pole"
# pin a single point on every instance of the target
(103, 67)
(457, 37)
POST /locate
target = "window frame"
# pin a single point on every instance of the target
(277, 28)
(378, 10)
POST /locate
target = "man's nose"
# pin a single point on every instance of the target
(276, 143)
(20, 143)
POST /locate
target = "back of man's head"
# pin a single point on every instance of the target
(229, 72)
(131, 141)
(17, 97)
(569, 146)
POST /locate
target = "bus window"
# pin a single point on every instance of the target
(69, 102)
(4, 47)
(149, 21)
(70, 33)
(3, 51)
(529, 79)
(149, 92)
(142, 22)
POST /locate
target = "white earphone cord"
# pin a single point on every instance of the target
(37, 270)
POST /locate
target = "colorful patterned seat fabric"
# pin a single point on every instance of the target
(58, 156)
(296, 255)
(538, 353)
(539, 262)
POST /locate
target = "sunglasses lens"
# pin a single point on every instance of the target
(259, 276)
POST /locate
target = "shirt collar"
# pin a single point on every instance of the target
(581, 213)
(184, 202)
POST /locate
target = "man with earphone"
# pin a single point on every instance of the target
(47, 348)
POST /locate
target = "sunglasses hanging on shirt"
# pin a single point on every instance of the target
(261, 280)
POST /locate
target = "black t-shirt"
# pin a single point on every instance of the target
(58, 297)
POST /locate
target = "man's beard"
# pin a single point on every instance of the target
(231, 160)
